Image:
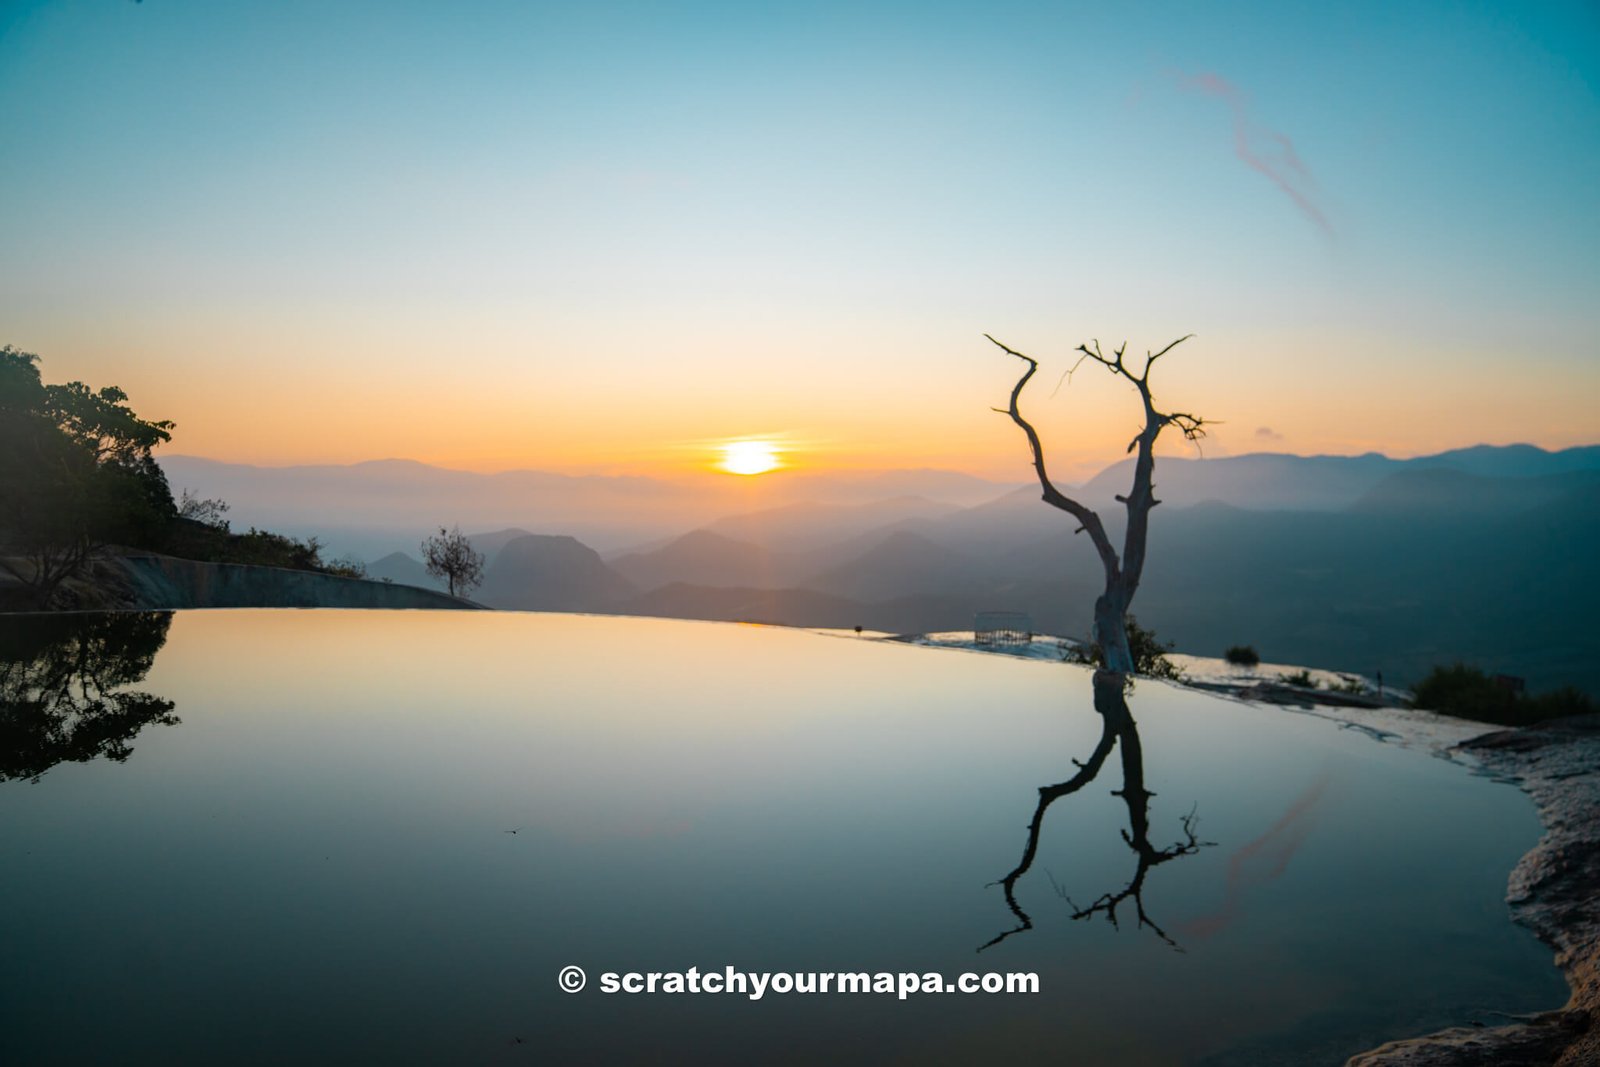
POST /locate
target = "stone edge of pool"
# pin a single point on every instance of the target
(1551, 891)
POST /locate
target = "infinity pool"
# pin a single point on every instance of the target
(286, 836)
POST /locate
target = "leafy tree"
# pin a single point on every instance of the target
(76, 473)
(449, 555)
(64, 693)
(208, 512)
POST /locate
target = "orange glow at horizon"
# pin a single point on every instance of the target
(749, 457)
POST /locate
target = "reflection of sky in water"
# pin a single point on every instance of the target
(316, 858)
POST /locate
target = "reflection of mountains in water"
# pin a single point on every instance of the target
(63, 695)
(1354, 563)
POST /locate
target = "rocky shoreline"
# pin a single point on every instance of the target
(1554, 891)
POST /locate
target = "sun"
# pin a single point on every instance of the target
(749, 457)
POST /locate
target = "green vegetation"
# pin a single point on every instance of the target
(260, 548)
(1243, 656)
(1301, 678)
(1467, 693)
(1149, 654)
(78, 475)
(64, 688)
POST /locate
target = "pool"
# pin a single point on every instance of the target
(287, 836)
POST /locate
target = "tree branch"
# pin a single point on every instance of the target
(1088, 519)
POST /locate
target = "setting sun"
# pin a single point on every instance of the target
(749, 457)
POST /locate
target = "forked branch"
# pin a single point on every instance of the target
(1123, 571)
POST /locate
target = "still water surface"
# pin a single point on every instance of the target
(312, 863)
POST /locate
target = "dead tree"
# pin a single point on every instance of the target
(1117, 727)
(1122, 571)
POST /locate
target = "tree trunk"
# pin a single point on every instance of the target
(1123, 572)
(1111, 631)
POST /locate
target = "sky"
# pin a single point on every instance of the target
(607, 237)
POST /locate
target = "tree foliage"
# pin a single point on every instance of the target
(77, 472)
(1149, 653)
(64, 688)
(449, 555)
(208, 512)
(1243, 656)
(1468, 693)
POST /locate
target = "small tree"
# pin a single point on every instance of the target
(449, 555)
(209, 512)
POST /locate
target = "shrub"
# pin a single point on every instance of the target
(345, 567)
(1348, 683)
(208, 512)
(1149, 653)
(1243, 656)
(1467, 693)
(1301, 678)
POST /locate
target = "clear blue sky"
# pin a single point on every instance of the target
(598, 235)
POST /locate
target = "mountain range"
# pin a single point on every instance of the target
(1362, 563)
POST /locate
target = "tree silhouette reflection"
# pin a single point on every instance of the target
(1117, 725)
(62, 688)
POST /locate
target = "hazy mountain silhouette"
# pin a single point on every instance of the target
(404, 569)
(801, 607)
(1263, 481)
(1347, 562)
(549, 573)
(381, 506)
(703, 557)
(1273, 481)
(902, 564)
(491, 543)
(1514, 461)
(809, 525)
(1428, 565)
(1450, 491)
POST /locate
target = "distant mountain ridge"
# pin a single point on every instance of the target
(370, 509)
(1347, 562)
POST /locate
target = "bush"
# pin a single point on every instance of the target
(1243, 656)
(1149, 654)
(213, 543)
(208, 512)
(1348, 683)
(345, 567)
(1301, 678)
(1467, 693)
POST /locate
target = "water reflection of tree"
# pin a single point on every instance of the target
(1117, 725)
(59, 681)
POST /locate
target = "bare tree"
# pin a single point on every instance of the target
(1117, 727)
(449, 555)
(1122, 571)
